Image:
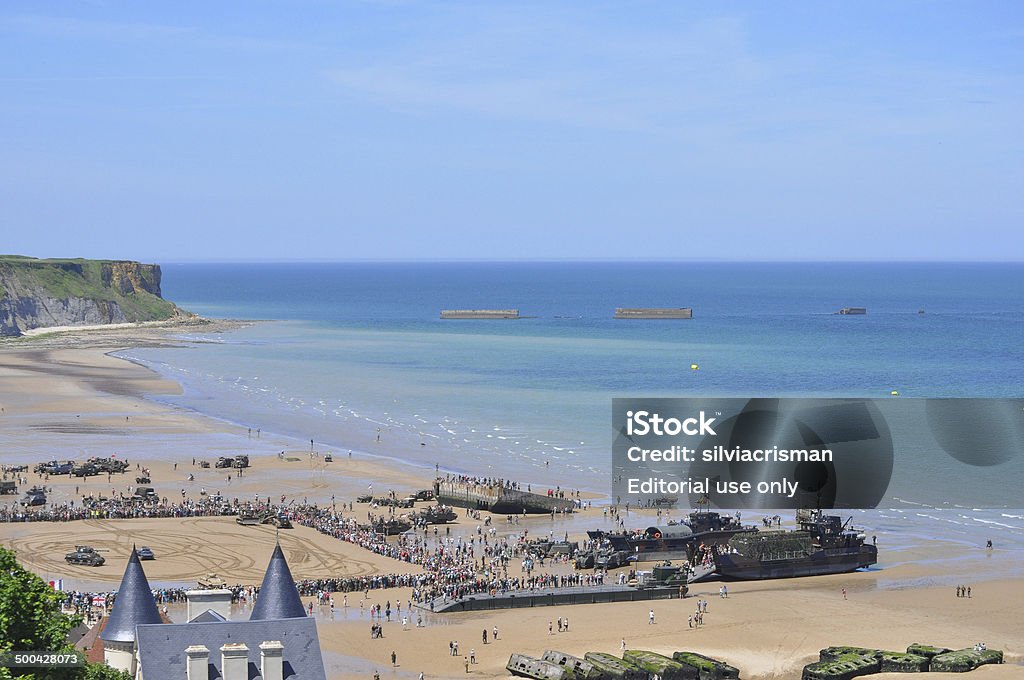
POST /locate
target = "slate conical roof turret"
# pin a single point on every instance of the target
(133, 606)
(278, 598)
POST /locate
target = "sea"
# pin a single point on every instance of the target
(346, 352)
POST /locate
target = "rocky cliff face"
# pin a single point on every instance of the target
(42, 293)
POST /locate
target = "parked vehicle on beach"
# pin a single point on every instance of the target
(85, 470)
(823, 544)
(33, 498)
(247, 518)
(212, 581)
(146, 493)
(109, 464)
(280, 521)
(52, 467)
(145, 553)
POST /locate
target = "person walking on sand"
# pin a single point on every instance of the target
(650, 618)
(844, 593)
(466, 660)
(622, 645)
(394, 658)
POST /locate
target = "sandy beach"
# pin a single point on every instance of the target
(64, 397)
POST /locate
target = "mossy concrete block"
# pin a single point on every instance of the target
(845, 667)
(537, 669)
(963, 660)
(927, 651)
(664, 666)
(839, 652)
(613, 668)
(580, 668)
(897, 662)
(706, 667)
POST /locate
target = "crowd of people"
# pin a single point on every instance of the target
(452, 566)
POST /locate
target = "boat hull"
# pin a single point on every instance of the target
(734, 567)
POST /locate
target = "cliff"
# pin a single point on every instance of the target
(74, 292)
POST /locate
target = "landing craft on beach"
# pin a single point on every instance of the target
(822, 545)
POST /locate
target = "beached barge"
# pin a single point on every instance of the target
(498, 499)
(653, 312)
(479, 313)
(550, 597)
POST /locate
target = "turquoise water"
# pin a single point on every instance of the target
(357, 347)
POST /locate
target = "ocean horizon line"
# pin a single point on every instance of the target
(584, 261)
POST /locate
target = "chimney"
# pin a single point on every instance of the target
(198, 667)
(272, 660)
(234, 661)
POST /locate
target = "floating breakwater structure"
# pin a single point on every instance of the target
(498, 498)
(653, 312)
(548, 597)
(480, 314)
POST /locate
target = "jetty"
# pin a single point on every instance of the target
(479, 313)
(653, 312)
(499, 498)
(548, 597)
(853, 311)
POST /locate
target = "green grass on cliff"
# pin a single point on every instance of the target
(76, 277)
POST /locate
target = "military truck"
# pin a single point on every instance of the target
(85, 470)
(146, 493)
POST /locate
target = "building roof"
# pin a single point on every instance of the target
(92, 644)
(133, 606)
(163, 647)
(208, 616)
(278, 597)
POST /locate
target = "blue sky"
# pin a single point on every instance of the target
(512, 130)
